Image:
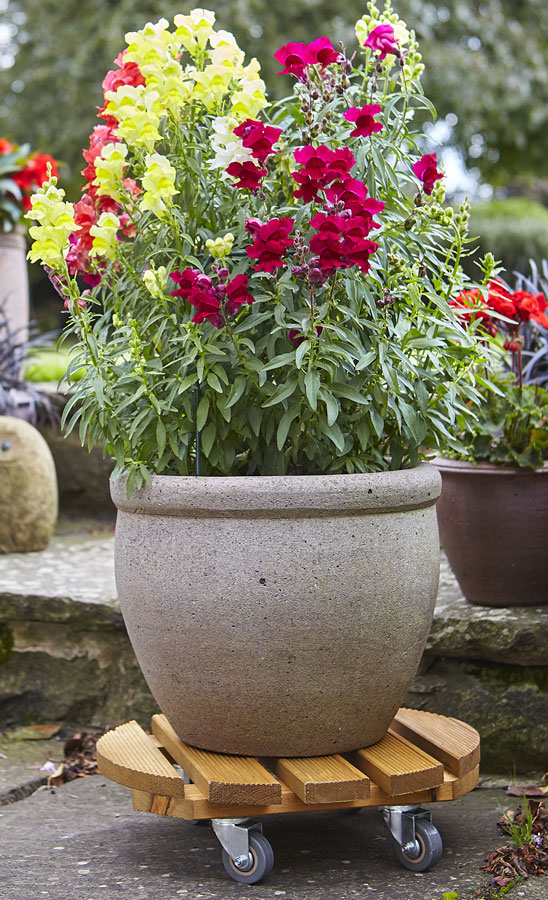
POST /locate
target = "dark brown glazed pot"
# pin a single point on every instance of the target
(494, 528)
(279, 615)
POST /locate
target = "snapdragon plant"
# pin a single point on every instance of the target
(267, 287)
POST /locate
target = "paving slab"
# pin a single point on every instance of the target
(84, 841)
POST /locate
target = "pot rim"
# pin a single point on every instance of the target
(467, 467)
(276, 496)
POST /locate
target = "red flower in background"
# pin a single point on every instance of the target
(258, 137)
(6, 146)
(383, 41)
(531, 306)
(270, 244)
(426, 171)
(364, 119)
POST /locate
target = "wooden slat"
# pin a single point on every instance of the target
(196, 806)
(454, 743)
(454, 786)
(220, 778)
(323, 779)
(398, 767)
(129, 756)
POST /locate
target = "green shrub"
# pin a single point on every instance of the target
(514, 230)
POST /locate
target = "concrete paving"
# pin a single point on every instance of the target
(84, 842)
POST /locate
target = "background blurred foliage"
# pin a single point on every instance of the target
(515, 230)
(487, 64)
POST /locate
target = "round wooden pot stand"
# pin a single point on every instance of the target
(422, 758)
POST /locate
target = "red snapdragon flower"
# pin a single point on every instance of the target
(364, 119)
(383, 41)
(341, 241)
(320, 166)
(211, 302)
(271, 241)
(258, 137)
(426, 171)
(248, 173)
(237, 294)
(295, 57)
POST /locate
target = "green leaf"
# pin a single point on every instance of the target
(236, 390)
(208, 438)
(214, 382)
(366, 360)
(202, 413)
(161, 437)
(312, 386)
(282, 392)
(301, 352)
(331, 405)
(285, 423)
(254, 416)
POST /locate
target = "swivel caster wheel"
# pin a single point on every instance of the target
(427, 849)
(256, 866)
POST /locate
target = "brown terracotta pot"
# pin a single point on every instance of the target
(279, 616)
(494, 528)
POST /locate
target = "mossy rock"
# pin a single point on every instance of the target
(6, 644)
(48, 364)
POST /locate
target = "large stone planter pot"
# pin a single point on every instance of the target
(14, 281)
(494, 528)
(279, 615)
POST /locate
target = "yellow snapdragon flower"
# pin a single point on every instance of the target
(194, 30)
(159, 184)
(220, 247)
(169, 83)
(104, 235)
(155, 281)
(138, 111)
(109, 170)
(56, 222)
(211, 85)
(152, 45)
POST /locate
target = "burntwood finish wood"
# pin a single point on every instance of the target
(398, 767)
(454, 743)
(322, 779)
(220, 777)
(129, 756)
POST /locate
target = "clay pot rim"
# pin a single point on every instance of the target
(278, 495)
(466, 467)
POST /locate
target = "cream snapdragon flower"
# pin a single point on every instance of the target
(56, 222)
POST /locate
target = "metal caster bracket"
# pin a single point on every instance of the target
(400, 821)
(233, 836)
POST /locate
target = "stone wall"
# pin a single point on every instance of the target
(65, 656)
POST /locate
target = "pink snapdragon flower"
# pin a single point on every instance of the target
(382, 40)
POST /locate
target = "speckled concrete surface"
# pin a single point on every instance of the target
(85, 842)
